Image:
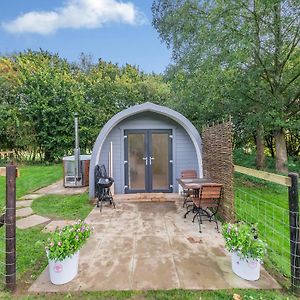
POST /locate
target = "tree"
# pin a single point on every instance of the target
(251, 47)
(41, 91)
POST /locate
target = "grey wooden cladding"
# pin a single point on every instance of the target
(184, 154)
(186, 140)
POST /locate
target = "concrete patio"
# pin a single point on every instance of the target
(149, 245)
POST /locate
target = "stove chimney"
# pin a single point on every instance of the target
(77, 152)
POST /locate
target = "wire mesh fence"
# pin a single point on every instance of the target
(5, 277)
(8, 231)
(273, 225)
(273, 218)
(2, 248)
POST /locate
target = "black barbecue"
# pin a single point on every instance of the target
(102, 186)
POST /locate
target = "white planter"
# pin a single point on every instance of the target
(64, 271)
(248, 269)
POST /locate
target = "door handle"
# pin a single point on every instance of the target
(151, 158)
(146, 160)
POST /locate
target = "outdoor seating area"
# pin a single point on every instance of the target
(201, 196)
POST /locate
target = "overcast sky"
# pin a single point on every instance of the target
(118, 31)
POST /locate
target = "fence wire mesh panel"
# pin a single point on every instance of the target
(295, 255)
(8, 231)
(2, 249)
(273, 224)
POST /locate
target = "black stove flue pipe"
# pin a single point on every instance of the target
(78, 170)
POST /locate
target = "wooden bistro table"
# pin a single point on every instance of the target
(195, 185)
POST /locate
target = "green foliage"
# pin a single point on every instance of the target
(247, 159)
(41, 91)
(243, 239)
(234, 57)
(65, 242)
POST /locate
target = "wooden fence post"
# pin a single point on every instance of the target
(10, 220)
(294, 232)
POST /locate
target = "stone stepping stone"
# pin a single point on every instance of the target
(24, 212)
(60, 224)
(31, 221)
(31, 196)
(24, 203)
(58, 188)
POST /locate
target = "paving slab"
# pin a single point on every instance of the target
(58, 188)
(150, 273)
(31, 196)
(31, 221)
(60, 224)
(24, 203)
(149, 245)
(24, 212)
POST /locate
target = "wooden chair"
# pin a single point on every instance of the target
(187, 174)
(207, 203)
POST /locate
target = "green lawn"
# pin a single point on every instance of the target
(63, 207)
(162, 295)
(267, 205)
(32, 178)
(31, 258)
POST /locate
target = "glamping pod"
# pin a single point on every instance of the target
(145, 147)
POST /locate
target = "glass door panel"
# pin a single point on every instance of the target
(136, 161)
(160, 161)
(148, 160)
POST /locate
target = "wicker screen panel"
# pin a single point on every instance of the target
(218, 163)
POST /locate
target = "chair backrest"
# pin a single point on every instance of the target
(188, 174)
(209, 195)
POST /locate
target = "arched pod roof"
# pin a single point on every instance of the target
(134, 110)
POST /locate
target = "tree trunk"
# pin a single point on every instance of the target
(281, 152)
(48, 156)
(260, 149)
(270, 144)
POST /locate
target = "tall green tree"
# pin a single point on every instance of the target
(41, 91)
(251, 48)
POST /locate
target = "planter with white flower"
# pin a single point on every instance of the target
(62, 250)
(247, 250)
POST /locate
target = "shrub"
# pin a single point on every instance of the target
(65, 242)
(243, 239)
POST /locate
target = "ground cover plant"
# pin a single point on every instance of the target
(32, 178)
